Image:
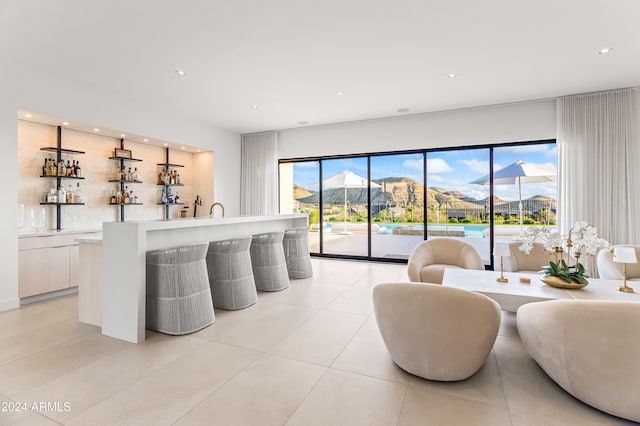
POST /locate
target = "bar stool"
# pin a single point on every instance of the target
(178, 295)
(268, 262)
(230, 274)
(296, 253)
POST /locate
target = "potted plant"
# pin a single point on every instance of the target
(583, 239)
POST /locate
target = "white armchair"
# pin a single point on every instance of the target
(430, 258)
(610, 270)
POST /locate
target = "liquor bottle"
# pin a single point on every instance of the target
(177, 178)
(70, 195)
(129, 175)
(78, 194)
(61, 168)
(130, 197)
(78, 170)
(67, 170)
(125, 195)
(62, 195)
(136, 175)
(54, 168)
(72, 173)
(44, 167)
(113, 199)
(161, 177)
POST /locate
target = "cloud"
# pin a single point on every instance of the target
(307, 164)
(477, 166)
(434, 178)
(412, 164)
(438, 165)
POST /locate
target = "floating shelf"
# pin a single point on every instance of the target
(62, 204)
(170, 165)
(125, 204)
(124, 159)
(62, 177)
(125, 181)
(171, 204)
(170, 184)
(62, 150)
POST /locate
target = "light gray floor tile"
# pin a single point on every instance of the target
(266, 393)
(321, 339)
(342, 398)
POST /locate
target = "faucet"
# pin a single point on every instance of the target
(213, 205)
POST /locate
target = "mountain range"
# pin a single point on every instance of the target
(403, 191)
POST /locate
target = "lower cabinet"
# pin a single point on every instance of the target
(47, 263)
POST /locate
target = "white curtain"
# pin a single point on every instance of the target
(259, 174)
(598, 156)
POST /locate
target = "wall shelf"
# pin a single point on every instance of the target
(62, 177)
(167, 165)
(60, 150)
(124, 182)
(62, 204)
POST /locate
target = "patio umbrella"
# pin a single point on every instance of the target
(519, 172)
(347, 179)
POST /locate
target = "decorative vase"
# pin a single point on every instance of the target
(558, 282)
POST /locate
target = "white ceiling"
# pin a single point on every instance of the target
(291, 57)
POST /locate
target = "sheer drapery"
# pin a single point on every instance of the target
(259, 174)
(597, 161)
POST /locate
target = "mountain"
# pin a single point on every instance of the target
(300, 192)
(403, 192)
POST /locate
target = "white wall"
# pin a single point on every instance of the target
(475, 126)
(29, 89)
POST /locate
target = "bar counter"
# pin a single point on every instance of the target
(124, 259)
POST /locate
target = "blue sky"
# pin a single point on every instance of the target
(451, 170)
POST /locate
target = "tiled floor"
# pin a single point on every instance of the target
(308, 355)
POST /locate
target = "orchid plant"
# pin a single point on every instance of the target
(583, 239)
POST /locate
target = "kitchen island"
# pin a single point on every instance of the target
(124, 259)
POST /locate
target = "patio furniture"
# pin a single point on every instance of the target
(230, 274)
(268, 261)
(296, 253)
(178, 297)
(436, 332)
(429, 259)
(589, 348)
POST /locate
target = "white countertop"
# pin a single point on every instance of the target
(53, 232)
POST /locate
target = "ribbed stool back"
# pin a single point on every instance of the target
(296, 253)
(268, 262)
(230, 273)
(177, 290)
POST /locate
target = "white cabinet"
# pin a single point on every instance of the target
(47, 263)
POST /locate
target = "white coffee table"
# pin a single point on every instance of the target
(513, 294)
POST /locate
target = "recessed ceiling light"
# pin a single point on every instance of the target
(197, 150)
(65, 123)
(605, 50)
(122, 135)
(254, 106)
(303, 123)
(96, 130)
(403, 110)
(181, 73)
(166, 144)
(28, 115)
(146, 140)
(452, 75)
(183, 147)
(339, 93)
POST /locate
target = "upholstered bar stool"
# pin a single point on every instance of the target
(296, 253)
(268, 262)
(230, 274)
(178, 295)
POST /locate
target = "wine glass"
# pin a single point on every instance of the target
(38, 218)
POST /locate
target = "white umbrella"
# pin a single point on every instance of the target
(347, 179)
(519, 172)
